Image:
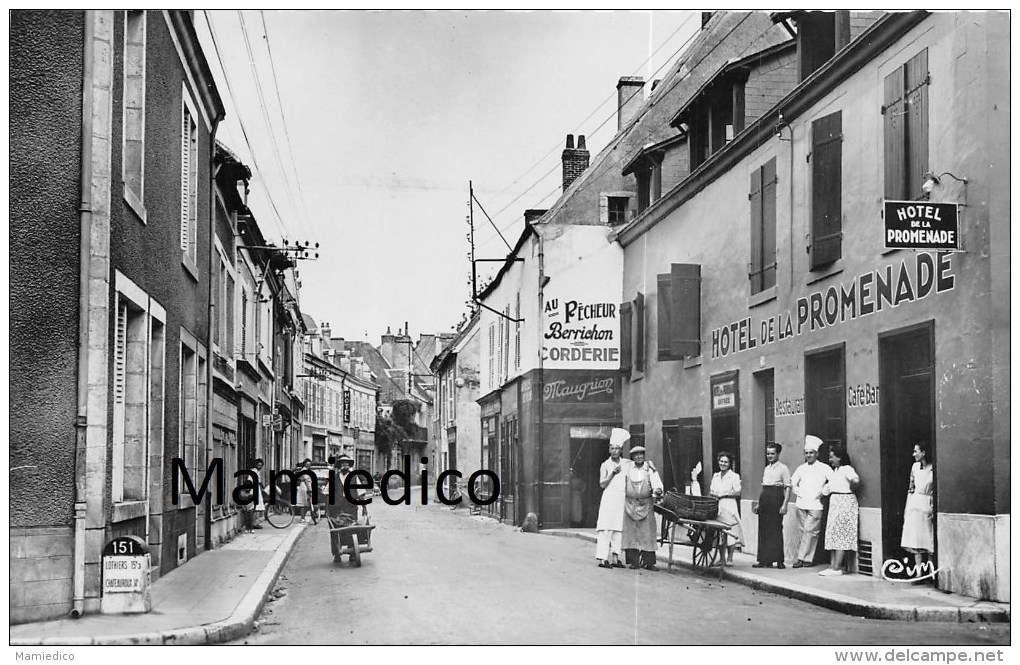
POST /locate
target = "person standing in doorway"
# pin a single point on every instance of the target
(808, 481)
(918, 531)
(643, 486)
(841, 528)
(609, 528)
(771, 507)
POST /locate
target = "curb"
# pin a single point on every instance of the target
(839, 602)
(240, 622)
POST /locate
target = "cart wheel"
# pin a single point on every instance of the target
(705, 554)
(356, 551)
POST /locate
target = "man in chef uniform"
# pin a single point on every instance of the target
(609, 528)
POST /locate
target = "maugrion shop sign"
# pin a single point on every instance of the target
(871, 292)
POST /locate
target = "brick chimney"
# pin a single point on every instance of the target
(629, 99)
(324, 330)
(575, 160)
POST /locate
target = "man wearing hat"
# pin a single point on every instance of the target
(342, 511)
(642, 486)
(807, 482)
(609, 528)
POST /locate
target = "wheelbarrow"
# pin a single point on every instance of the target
(349, 538)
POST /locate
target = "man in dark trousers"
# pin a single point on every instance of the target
(341, 511)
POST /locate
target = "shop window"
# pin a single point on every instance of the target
(905, 111)
(679, 312)
(826, 190)
(762, 272)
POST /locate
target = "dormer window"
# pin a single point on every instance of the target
(714, 115)
(820, 35)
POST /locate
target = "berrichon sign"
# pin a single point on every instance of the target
(874, 291)
(921, 225)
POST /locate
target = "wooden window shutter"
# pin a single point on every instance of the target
(686, 309)
(916, 80)
(755, 265)
(894, 143)
(664, 286)
(120, 355)
(768, 224)
(826, 189)
(185, 178)
(638, 342)
(625, 338)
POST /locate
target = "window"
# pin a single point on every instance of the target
(492, 355)
(189, 186)
(618, 210)
(820, 35)
(906, 129)
(188, 411)
(763, 227)
(138, 389)
(826, 190)
(244, 325)
(679, 313)
(716, 116)
(133, 155)
(649, 182)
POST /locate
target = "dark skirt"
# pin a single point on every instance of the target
(770, 525)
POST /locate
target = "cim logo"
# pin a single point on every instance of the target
(895, 571)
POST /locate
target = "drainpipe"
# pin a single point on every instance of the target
(84, 268)
(207, 522)
(541, 375)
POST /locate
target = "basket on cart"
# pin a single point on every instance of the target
(689, 507)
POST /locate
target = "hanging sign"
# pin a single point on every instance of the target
(921, 225)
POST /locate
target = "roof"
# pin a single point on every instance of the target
(654, 149)
(730, 69)
(376, 362)
(310, 323)
(448, 351)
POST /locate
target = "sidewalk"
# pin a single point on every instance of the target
(213, 598)
(859, 595)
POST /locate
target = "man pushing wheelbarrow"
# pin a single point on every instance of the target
(346, 536)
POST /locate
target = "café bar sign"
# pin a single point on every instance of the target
(922, 225)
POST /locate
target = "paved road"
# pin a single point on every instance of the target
(438, 576)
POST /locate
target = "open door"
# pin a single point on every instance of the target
(907, 401)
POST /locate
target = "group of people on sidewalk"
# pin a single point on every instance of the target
(839, 481)
(626, 521)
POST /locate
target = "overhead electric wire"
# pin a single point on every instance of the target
(668, 63)
(265, 115)
(283, 116)
(596, 110)
(675, 82)
(281, 225)
(490, 221)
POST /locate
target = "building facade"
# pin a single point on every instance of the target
(774, 308)
(125, 103)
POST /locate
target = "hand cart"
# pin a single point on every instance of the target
(349, 538)
(707, 538)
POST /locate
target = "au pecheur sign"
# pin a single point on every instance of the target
(921, 225)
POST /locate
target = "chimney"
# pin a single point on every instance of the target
(575, 160)
(324, 329)
(629, 99)
(532, 214)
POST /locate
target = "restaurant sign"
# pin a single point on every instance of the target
(921, 225)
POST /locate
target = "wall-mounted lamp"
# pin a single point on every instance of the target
(780, 124)
(930, 180)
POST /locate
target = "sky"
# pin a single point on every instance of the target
(364, 128)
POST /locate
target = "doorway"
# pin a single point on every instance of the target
(586, 457)
(825, 415)
(682, 452)
(906, 364)
(725, 409)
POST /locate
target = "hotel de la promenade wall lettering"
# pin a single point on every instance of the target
(890, 286)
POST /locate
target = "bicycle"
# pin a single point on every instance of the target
(279, 513)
